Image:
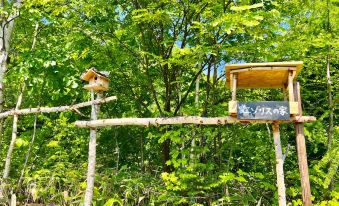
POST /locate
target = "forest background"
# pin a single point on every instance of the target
(165, 58)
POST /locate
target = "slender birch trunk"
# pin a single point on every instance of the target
(117, 149)
(330, 129)
(6, 31)
(91, 154)
(197, 93)
(192, 150)
(27, 155)
(5, 37)
(142, 165)
(14, 136)
(1, 133)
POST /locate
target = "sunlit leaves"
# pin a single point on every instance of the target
(247, 7)
(21, 142)
(137, 41)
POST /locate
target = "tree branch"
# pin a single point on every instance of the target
(189, 88)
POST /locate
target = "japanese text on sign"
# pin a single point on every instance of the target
(275, 110)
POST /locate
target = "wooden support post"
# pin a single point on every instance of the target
(301, 151)
(232, 105)
(234, 80)
(285, 93)
(91, 155)
(279, 166)
(291, 75)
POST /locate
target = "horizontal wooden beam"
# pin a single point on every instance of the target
(182, 120)
(55, 109)
(263, 69)
(297, 64)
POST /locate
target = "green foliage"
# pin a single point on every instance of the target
(155, 51)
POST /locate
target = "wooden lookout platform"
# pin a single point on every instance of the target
(262, 75)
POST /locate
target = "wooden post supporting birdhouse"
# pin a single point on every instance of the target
(272, 75)
(98, 82)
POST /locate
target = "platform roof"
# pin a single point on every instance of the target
(91, 72)
(262, 75)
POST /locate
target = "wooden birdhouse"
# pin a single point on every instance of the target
(263, 75)
(97, 81)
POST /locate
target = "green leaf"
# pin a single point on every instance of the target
(53, 144)
(111, 201)
(21, 142)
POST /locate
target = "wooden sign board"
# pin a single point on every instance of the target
(267, 110)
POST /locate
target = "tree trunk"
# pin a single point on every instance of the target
(5, 37)
(196, 101)
(91, 155)
(142, 165)
(27, 155)
(14, 136)
(197, 91)
(1, 132)
(166, 145)
(117, 149)
(166, 154)
(330, 129)
(208, 88)
(192, 149)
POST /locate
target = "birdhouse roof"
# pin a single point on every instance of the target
(262, 75)
(92, 72)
